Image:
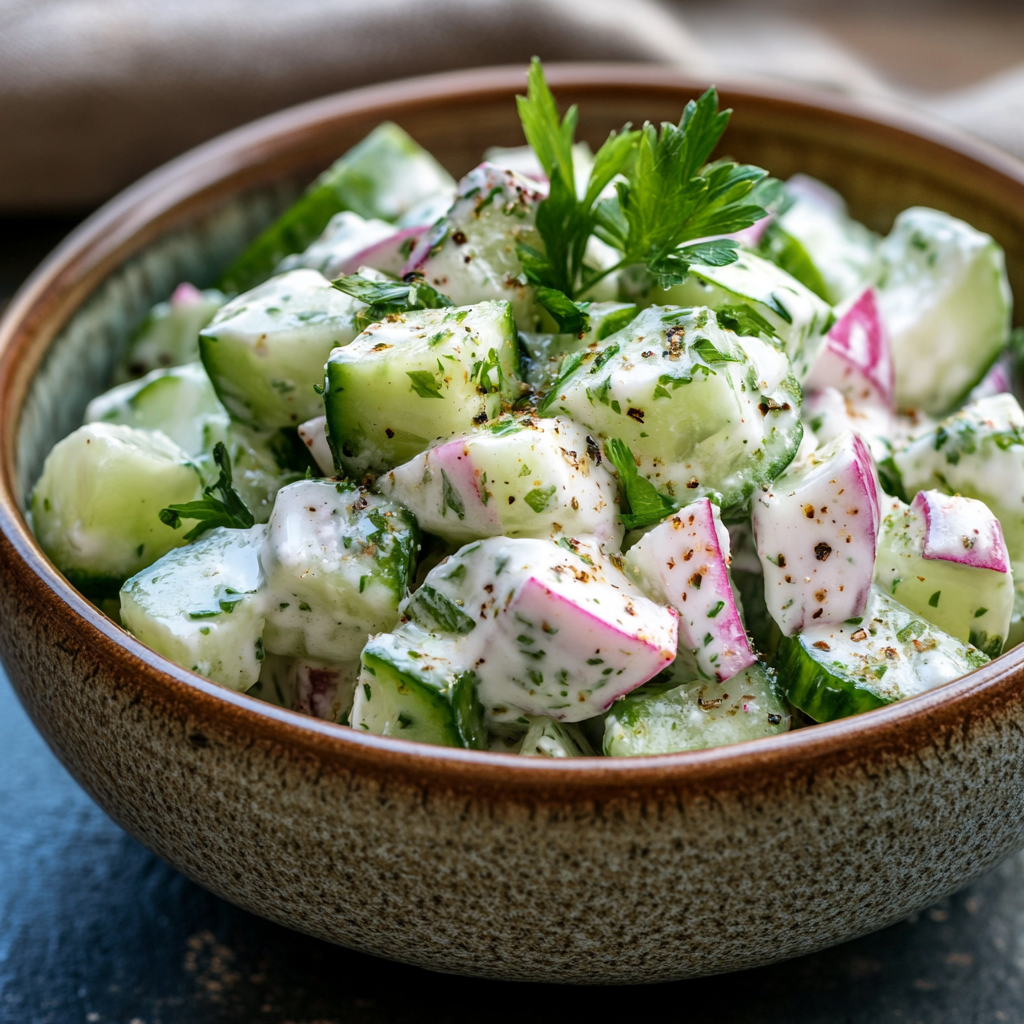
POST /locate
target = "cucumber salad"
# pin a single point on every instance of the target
(620, 453)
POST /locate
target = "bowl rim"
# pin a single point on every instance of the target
(230, 162)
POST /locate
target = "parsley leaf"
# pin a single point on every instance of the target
(671, 195)
(743, 320)
(644, 504)
(385, 297)
(540, 497)
(564, 220)
(424, 383)
(228, 510)
(450, 498)
(570, 316)
(437, 612)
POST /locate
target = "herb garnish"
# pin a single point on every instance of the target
(386, 297)
(668, 195)
(644, 504)
(228, 510)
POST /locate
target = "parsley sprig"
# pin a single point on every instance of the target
(228, 510)
(385, 297)
(642, 503)
(668, 200)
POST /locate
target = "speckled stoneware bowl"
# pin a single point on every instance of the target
(592, 870)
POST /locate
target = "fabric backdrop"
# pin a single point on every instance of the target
(94, 93)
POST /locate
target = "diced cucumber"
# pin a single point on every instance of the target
(549, 629)
(887, 655)
(471, 254)
(946, 302)
(798, 317)
(95, 508)
(545, 353)
(382, 177)
(548, 738)
(338, 560)
(965, 588)
(815, 239)
(181, 402)
(262, 461)
(520, 477)
(199, 606)
(696, 715)
(346, 235)
(321, 690)
(977, 452)
(416, 377)
(265, 350)
(169, 336)
(705, 411)
(275, 684)
(408, 688)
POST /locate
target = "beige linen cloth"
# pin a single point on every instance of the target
(94, 93)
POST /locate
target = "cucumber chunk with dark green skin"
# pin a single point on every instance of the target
(834, 671)
(814, 239)
(660, 718)
(797, 316)
(408, 688)
(415, 377)
(705, 412)
(382, 177)
(547, 738)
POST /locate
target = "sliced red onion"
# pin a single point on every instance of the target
(962, 530)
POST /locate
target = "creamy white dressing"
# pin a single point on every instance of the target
(555, 630)
(526, 478)
(325, 591)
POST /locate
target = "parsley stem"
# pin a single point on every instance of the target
(600, 277)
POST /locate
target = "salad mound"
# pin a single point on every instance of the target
(620, 453)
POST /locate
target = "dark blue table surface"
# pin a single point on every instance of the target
(95, 929)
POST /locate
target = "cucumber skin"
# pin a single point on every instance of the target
(441, 729)
(360, 445)
(789, 254)
(635, 726)
(808, 686)
(825, 696)
(454, 714)
(346, 185)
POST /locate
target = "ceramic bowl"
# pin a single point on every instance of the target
(594, 870)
